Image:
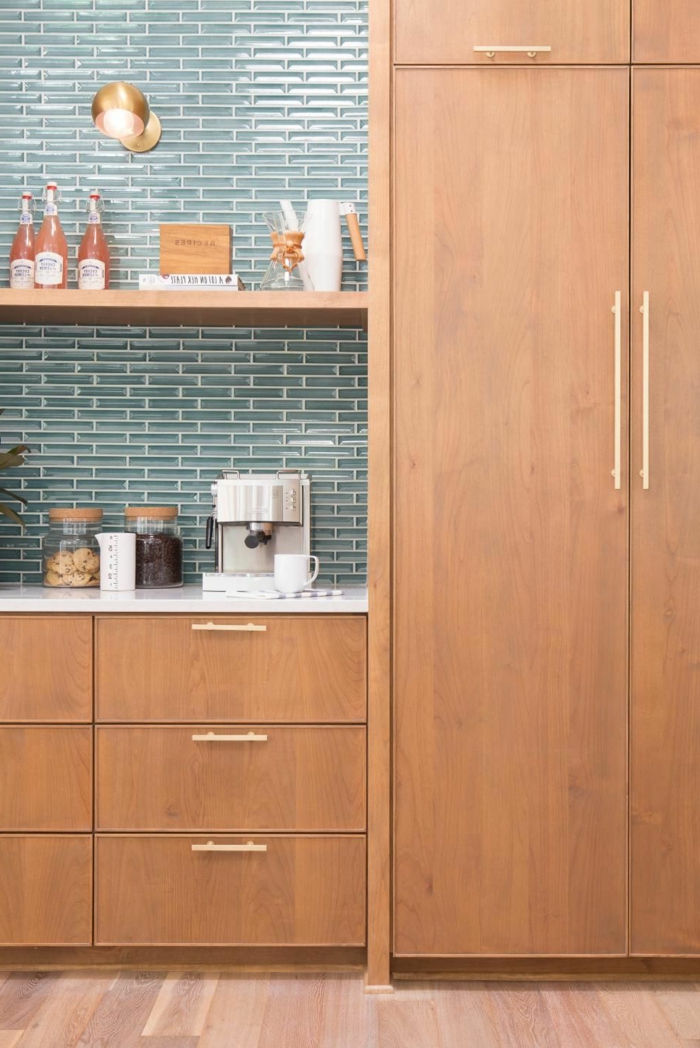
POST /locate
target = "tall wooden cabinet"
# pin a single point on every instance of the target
(665, 752)
(546, 619)
(511, 241)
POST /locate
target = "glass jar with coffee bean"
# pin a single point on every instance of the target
(158, 546)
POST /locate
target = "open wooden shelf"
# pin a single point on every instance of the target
(190, 308)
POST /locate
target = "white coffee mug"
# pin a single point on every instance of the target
(292, 572)
(117, 560)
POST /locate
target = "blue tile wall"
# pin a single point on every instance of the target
(259, 99)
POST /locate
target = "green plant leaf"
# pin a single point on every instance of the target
(13, 495)
(8, 460)
(7, 512)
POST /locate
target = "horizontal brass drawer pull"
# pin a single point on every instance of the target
(531, 50)
(213, 737)
(211, 847)
(250, 627)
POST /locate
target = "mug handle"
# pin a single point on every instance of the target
(315, 574)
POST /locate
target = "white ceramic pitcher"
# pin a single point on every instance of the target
(323, 242)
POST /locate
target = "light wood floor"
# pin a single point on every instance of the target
(177, 1010)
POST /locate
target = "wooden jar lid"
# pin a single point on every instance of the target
(152, 512)
(76, 513)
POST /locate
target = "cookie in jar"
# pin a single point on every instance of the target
(70, 551)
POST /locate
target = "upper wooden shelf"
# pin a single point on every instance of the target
(190, 308)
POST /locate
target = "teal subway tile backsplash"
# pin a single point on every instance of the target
(259, 99)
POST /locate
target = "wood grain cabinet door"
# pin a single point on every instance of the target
(45, 668)
(232, 777)
(666, 31)
(228, 668)
(665, 683)
(46, 778)
(45, 890)
(443, 32)
(293, 891)
(511, 560)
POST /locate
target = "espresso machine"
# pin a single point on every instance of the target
(255, 516)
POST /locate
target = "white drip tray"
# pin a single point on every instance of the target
(229, 581)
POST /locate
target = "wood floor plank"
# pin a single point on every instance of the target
(66, 1010)
(9, 1038)
(402, 1024)
(636, 1017)
(293, 1013)
(121, 1016)
(578, 1017)
(344, 1019)
(169, 1042)
(465, 1014)
(680, 1003)
(520, 1015)
(21, 994)
(236, 1012)
(182, 1005)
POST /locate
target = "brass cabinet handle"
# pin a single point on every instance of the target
(617, 310)
(212, 737)
(644, 471)
(531, 50)
(249, 627)
(211, 847)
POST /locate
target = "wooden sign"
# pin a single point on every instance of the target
(195, 248)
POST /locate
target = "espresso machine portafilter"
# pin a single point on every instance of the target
(255, 516)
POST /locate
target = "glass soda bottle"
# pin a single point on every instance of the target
(51, 258)
(22, 250)
(93, 253)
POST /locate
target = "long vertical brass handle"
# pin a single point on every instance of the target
(644, 471)
(617, 470)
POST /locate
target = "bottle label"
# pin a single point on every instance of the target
(91, 275)
(22, 274)
(26, 219)
(49, 268)
(94, 218)
(51, 209)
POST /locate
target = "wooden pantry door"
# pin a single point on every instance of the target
(665, 682)
(666, 31)
(510, 239)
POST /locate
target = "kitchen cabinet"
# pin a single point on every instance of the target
(45, 890)
(665, 686)
(442, 32)
(171, 758)
(666, 31)
(182, 890)
(229, 668)
(46, 778)
(46, 668)
(510, 611)
(269, 777)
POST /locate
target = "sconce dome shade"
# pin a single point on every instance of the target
(120, 110)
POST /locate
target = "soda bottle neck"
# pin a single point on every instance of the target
(26, 217)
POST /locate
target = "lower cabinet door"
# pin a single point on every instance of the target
(45, 891)
(230, 890)
(46, 778)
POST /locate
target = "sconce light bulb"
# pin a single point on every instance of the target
(120, 123)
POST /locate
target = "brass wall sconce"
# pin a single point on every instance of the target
(120, 110)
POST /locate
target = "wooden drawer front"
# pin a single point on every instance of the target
(45, 891)
(46, 778)
(300, 778)
(302, 891)
(46, 668)
(289, 668)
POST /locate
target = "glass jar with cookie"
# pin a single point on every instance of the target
(70, 551)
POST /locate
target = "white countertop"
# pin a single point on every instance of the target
(185, 600)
